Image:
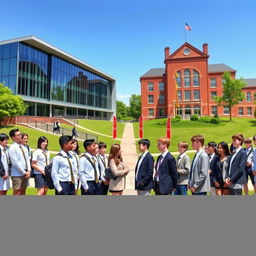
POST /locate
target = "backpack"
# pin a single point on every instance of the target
(48, 174)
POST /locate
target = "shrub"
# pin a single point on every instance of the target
(178, 117)
(176, 120)
(194, 118)
(215, 120)
(255, 113)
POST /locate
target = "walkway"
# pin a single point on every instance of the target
(130, 157)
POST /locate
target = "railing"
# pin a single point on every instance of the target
(49, 128)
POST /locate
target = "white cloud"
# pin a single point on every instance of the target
(123, 96)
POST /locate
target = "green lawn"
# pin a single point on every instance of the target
(100, 126)
(53, 139)
(185, 129)
(33, 136)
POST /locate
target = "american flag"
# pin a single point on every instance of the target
(187, 27)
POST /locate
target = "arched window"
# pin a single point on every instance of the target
(197, 110)
(187, 81)
(248, 97)
(187, 110)
(196, 78)
(178, 79)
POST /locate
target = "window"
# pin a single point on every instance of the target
(179, 93)
(226, 110)
(249, 111)
(187, 110)
(150, 87)
(187, 95)
(179, 112)
(197, 110)
(161, 112)
(240, 111)
(196, 79)
(161, 99)
(187, 78)
(150, 112)
(223, 81)
(213, 95)
(248, 97)
(161, 86)
(178, 79)
(150, 99)
(213, 83)
(196, 95)
(214, 110)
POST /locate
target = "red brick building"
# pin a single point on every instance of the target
(188, 84)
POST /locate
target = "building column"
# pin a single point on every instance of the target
(50, 110)
(65, 111)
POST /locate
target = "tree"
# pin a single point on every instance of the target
(135, 106)
(232, 92)
(10, 104)
(121, 110)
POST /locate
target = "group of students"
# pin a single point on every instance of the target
(215, 169)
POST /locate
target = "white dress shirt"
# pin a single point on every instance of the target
(61, 170)
(39, 156)
(139, 163)
(103, 162)
(5, 184)
(86, 170)
(159, 163)
(19, 164)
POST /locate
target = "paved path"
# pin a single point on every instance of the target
(130, 157)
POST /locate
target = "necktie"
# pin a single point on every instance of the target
(71, 170)
(158, 165)
(96, 177)
(24, 156)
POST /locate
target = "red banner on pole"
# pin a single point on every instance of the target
(168, 128)
(141, 131)
(114, 133)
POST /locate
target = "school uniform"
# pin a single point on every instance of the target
(64, 174)
(103, 165)
(4, 168)
(20, 164)
(90, 175)
(236, 171)
(248, 170)
(166, 175)
(144, 174)
(42, 159)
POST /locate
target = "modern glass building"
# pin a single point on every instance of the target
(53, 83)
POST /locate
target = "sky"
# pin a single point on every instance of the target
(126, 38)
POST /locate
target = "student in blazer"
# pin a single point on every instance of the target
(166, 176)
(236, 169)
(183, 169)
(199, 178)
(144, 169)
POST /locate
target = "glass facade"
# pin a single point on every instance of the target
(31, 72)
(8, 65)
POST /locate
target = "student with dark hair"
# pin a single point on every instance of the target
(75, 152)
(248, 167)
(199, 177)
(64, 168)
(103, 162)
(183, 169)
(236, 169)
(24, 142)
(220, 170)
(166, 175)
(254, 159)
(40, 159)
(21, 168)
(4, 164)
(89, 172)
(144, 169)
(119, 169)
(211, 150)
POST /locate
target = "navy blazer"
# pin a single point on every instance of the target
(145, 173)
(213, 164)
(237, 173)
(168, 176)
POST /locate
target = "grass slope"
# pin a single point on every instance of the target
(185, 129)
